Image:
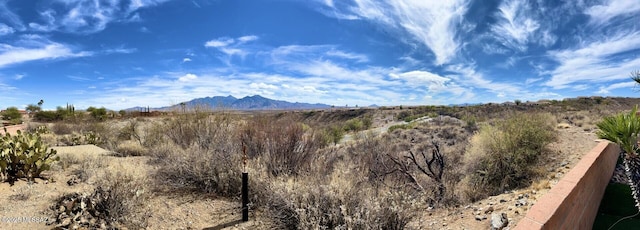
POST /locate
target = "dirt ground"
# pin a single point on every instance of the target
(25, 205)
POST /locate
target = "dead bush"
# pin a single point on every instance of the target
(284, 146)
(316, 205)
(424, 160)
(117, 202)
(201, 170)
(505, 156)
(130, 148)
(207, 160)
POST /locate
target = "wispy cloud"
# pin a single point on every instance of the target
(515, 25)
(88, 16)
(595, 61)
(621, 85)
(19, 76)
(432, 23)
(219, 42)
(5, 29)
(35, 48)
(10, 17)
(610, 9)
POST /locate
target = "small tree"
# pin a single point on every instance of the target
(31, 108)
(12, 114)
(98, 114)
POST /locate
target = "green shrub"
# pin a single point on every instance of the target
(24, 156)
(506, 156)
(47, 116)
(13, 115)
(401, 126)
(354, 124)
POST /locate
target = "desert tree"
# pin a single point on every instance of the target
(635, 76)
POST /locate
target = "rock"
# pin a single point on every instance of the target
(73, 181)
(481, 217)
(521, 202)
(489, 210)
(499, 221)
(503, 200)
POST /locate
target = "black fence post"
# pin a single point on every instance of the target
(245, 196)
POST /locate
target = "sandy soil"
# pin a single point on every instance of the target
(25, 205)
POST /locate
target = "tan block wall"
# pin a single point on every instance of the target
(573, 202)
(13, 128)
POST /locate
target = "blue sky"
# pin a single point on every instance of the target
(124, 53)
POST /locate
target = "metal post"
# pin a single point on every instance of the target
(245, 185)
(245, 196)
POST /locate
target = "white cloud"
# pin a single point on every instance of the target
(595, 61)
(5, 29)
(19, 76)
(621, 85)
(9, 17)
(345, 55)
(612, 8)
(433, 23)
(262, 85)
(188, 77)
(88, 16)
(516, 25)
(245, 39)
(10, 55)
(220, 42)
(186, 60)
(417, 76)
(468, 76)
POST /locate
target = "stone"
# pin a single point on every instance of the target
(480, 217)
(503, 200)
(73, 180)
(489, 210)
(499, 221)
(521, 202)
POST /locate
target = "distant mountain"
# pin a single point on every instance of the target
(255, 102)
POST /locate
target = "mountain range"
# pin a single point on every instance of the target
(255, 102)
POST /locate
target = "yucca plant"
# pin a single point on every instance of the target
(623, 129)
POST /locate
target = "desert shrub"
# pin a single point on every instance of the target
(62, 128)
(24, 155)
(333, 134)
(118, 202)
(13, 115)
(283, 146)
(315, 205)
(423, 161)
(130, 148)
(506, 156)
(354, 124)
(201, 170)
(47, 116)
(400, 126)
(207, 160)
(197, 128)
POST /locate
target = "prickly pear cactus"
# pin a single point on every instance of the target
(24, 156)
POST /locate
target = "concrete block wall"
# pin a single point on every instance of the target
(573, 202)
(13, 128)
